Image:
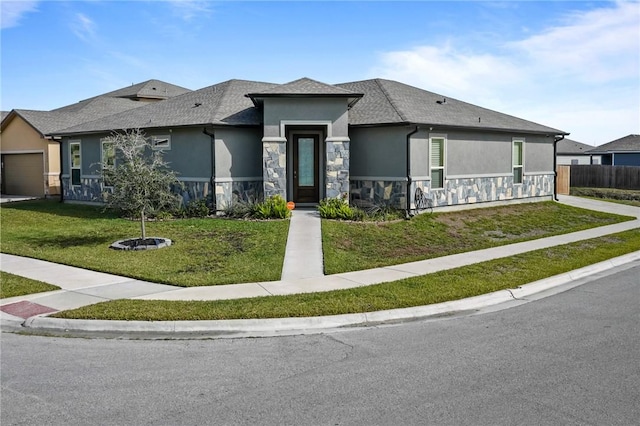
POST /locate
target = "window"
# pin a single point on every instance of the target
(75, 161)
(574, 161)
(436, 150)
(161, 142)
(108, 157)
(518, 160)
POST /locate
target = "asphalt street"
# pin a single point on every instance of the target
(570, 359)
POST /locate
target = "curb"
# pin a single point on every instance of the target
(308, 325)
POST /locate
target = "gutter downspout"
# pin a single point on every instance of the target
(555, 165)
(408, 198)
(213, 167)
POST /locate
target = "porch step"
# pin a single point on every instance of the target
(303, 257)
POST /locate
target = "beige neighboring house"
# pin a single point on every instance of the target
(31, 160)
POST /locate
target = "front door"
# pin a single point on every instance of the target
(305, 169)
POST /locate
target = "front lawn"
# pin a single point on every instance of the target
(204, 251)
(352, 246)
(442, 286)
(13, 285)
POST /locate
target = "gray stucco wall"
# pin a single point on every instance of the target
(477, 153)
(538, 154)
(238, 153)
(379, 152)
(307, 110)
(190, 153)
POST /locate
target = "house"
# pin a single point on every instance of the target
(572, 152)
(372, 142)
(31, 159)
(620, 152)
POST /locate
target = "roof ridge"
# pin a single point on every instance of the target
(391, 102)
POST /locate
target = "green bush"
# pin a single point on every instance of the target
(610, 193)
(334, 208)
(197, 208)
(239, 209)
(275, 207)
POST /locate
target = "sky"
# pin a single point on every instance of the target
(571, 65)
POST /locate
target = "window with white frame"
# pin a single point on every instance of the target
(518, 160)
(436, 153)
(108, 157)
(75, 162)
(162, 142)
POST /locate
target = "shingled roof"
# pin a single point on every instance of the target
(121, 100)
(391, 102)
(305, 87)
(571, 147)
(630, 143)
(379, 102)
(150, 89)
(221, 104)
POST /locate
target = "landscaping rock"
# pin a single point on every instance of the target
(150, 243)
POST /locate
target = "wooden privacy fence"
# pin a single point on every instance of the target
(599, 176)
(563, 176)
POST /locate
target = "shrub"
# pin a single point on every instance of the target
(610, 193)
(197, 208)
(275, 207)
(240, 209)
(334, 208)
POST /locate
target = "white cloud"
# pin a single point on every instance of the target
(12, 11)
(595, 46)
(83, 27)
(189, 9)
(580, 76)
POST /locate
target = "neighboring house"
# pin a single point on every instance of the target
(374, 141)
(31, 159)
(620, 152)
(571, 152)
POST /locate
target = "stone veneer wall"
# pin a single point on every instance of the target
(90, 190)
(378, 192)
(501, 188)
(455, 191)
(229, 192)
(274, 168)
(337, 170)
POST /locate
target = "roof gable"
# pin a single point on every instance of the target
(305, 87)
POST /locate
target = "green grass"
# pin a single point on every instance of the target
(443, 286)
(13, 285)
(352, 246)
(204, 251)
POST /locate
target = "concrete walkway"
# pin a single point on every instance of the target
(302, 270)
(303, 257)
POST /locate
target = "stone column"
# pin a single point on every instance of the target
(337, 168)
(274, 167)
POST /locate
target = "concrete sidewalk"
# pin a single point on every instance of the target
(302, 270)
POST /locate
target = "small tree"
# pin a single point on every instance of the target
(140, 178)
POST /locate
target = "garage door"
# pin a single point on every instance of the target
(23, 174)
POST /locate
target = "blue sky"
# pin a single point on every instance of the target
(572, 65)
